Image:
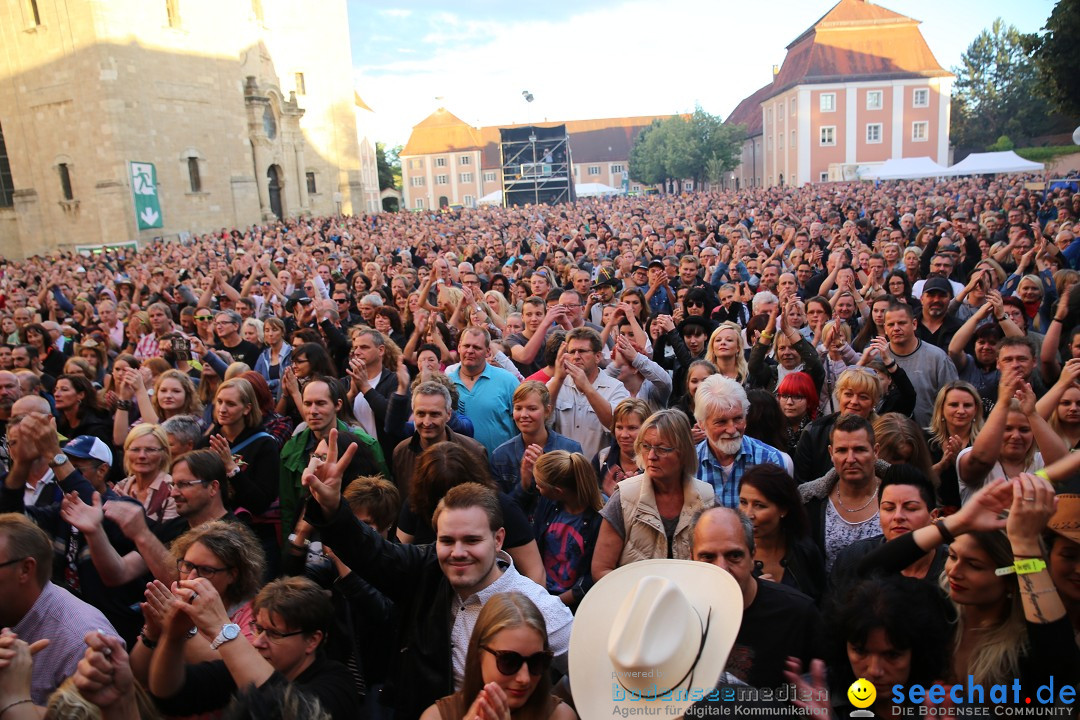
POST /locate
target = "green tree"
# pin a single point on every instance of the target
(389, 164)
(697, 147)
(1057, 57)
(997, 90)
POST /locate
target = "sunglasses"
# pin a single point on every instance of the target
(509, 662)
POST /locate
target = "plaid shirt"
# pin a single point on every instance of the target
(753, 452)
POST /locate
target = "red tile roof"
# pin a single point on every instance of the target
(748, 112)
(442, 131)
(857, 40)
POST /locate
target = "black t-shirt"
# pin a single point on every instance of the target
(244, 352)
(208, 686)
(518, 529)
(781, 622)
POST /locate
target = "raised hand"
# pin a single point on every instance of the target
(323, 479)
(1033, 502)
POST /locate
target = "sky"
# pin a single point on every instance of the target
(604, 58)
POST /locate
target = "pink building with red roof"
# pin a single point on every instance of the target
(860, 86)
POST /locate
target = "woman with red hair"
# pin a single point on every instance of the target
(798, 398)
(279, 426)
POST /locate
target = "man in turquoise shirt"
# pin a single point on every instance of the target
(485, 392)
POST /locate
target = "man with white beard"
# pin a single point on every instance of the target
(726, 453)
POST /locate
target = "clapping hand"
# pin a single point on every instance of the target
(490, 704)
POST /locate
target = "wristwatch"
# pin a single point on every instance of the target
(58, 459)
(229, 631)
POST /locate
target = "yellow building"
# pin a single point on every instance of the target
(448, 162)
(245, 109)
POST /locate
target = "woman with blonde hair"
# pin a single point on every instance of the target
(1014, 440)
(667, 489)
(498, 304)
(252, 331)
(174, 394)
(564, 500)
(726, 351)
(506, 667)
(858, 390)
(955, 422)
(147, 461)
(252, 461)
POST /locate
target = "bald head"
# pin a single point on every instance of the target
(31, 404)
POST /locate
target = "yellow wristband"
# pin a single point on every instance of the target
(1042, 473)
(1025, 566)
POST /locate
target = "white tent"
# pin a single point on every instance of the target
(594, 189)
(905, 169)
(492, 198)
(993, 163)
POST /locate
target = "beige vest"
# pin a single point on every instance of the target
(645, 537)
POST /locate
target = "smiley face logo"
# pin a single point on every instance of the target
(862, 693)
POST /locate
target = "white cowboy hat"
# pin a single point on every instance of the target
(654, 632)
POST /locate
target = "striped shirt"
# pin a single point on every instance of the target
(726, 480)
(64, 619)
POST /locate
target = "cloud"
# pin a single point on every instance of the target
(638, 57)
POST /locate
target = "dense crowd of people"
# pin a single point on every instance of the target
(374, 466)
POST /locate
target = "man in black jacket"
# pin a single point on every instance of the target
(438, 589)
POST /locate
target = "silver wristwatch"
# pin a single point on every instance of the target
(229, 631)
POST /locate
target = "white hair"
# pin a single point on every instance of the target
(764, 297)
(718, 394)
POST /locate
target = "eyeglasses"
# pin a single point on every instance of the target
(204, 318)
(144, 451)
(661, 450)
(791, 398)
(695, 303)
(341, 300)
(224, 322)
(272, 635)
(184, 485)
(509, 662)
(19, 560)
(203, 571)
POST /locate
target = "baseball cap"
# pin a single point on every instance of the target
(90, 448)
(938, 284)
(656, 263)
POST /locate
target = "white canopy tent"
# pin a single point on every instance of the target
(992, 163)
(595, 189)
(582, 190)
(905, 169)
